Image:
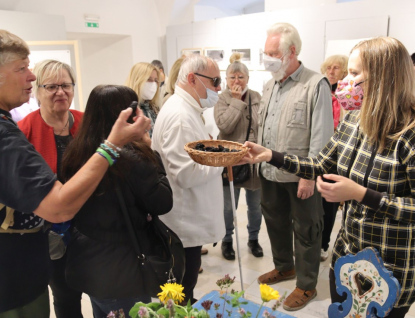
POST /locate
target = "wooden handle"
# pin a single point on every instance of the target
(230, 173)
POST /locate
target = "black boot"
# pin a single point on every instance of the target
(228, 251)
(255, 248)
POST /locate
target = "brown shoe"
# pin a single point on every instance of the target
(298, 299)
(276, 276)
(200, 270)
(204, 251)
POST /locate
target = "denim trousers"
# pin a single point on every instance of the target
(253, 201)
(102, 307)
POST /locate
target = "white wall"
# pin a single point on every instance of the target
(26, 25)
(207, 12)
(316, 24)
(129, 32)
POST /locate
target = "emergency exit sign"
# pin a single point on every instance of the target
(92, 24)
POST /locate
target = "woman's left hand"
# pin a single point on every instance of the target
(236, 92)
(343, 189)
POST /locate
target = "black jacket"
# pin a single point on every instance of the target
(101, 261)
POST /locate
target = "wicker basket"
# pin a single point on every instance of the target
(216, 159)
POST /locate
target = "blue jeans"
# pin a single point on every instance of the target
(253, 201)
(102, 307)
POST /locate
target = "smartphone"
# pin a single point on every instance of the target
(327, 180)
(133, 105)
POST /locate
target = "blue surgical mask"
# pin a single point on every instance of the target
(211, 98)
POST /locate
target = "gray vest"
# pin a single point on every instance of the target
(294, 124)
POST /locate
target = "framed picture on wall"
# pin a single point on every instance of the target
(192, 51)
(260, 66)
(219, 55)
(63, 51)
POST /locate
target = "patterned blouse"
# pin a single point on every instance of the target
(385, 219)
(150, 113)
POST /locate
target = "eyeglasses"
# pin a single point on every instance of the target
(241, 78)
(53, 88)
(216, 80)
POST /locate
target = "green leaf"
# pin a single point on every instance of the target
(163, 311)
(355, 301)
(354, 306)
(154, 306)
(364, 305)
(181, 312)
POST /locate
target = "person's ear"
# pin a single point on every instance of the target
(292, 50)
(191, 79)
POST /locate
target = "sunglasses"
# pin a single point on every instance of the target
(216, 80)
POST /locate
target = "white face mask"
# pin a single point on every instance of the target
(148, 90)
(211, 98)
(272, 64)
(276, 66)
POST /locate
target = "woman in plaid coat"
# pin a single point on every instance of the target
(370, 163)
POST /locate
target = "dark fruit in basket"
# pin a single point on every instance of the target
(201, 147)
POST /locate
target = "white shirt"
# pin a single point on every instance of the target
(197, 214)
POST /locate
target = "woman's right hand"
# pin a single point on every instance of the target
(123, 132)
(256, 154)
(236, 91)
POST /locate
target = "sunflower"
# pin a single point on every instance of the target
(171, 291)
(268, 293)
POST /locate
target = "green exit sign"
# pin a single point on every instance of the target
(92, 24)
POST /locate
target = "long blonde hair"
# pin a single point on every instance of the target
(173, 74)
(139, 74)
(388, 108)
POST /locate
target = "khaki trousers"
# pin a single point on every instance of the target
(287, 216)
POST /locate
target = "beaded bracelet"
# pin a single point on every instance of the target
(109, 143)
(109, 149)
(105, 154)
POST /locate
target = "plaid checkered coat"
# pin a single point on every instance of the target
(389, 223)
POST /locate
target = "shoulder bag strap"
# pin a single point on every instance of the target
(128, 222)
(250, 118)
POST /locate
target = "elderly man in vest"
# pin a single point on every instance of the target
(295, 116)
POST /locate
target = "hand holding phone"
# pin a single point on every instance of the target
(327, 180)
(133, 105)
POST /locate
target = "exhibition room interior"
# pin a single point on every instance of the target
(103, 39)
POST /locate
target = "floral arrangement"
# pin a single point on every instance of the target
(171, 298)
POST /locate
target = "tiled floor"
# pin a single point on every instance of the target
(215, 267)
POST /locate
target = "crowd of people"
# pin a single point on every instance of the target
(315, 144)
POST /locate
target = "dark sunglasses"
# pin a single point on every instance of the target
(216, 80)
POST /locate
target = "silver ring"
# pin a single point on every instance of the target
(146, 131)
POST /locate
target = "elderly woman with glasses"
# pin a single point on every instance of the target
(50, 129)
(236, 115)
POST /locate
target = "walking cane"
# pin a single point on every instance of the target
(235, 222)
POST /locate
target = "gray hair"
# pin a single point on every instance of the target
(50, 69)
(12, 48)
(289, 36)
(193, 63)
